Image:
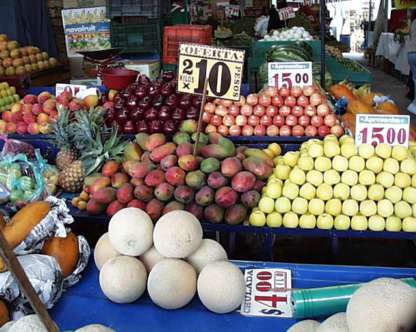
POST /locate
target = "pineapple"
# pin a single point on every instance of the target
(64, 141)
(95, 143)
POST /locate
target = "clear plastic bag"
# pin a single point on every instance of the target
(14, 147)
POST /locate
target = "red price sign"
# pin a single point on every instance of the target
(289, 74)
(377, 129)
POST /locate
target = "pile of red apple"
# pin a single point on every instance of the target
(274, 112)
(33, 115)
(67, 100)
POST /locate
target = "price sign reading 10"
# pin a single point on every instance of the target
(222, 67)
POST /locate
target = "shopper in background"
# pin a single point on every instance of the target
(411, 56)
(274, 21)
(262, 23)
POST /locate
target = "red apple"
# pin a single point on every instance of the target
(27, 108)
(49, 105)
(42, 118)
(16, 107)
(266, 120)
(16, 117)
(259, 110)
(6, 116)
(323, 131)
(291, 120)
(21, 128)
(29, 118)
(228, 120)
(310, 110)
(272, 130)
(290, 101)
(216, 120)
(277, 101)
(234, 110)
(3, 125)
(206, 117)
(43, 96)
(311, 131)
(30, 99)
(240, 120)
(253, 120)
(36, 109)
(234, 130)
(304, 120)
(11, 128)
(45, 128)
(284, 110)
(317, 121)
(247, 130)
(297, 110)
(259, 130)
(271, 110)
(278, 120)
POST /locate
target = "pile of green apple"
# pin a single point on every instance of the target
(8, 96)
(336, 184)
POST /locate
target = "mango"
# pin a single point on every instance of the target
(143, 193)
(195, 209)
(214, 138)
(184, 194)
(168, 162)
(189, 126)
(250, 199)
(141, 169)
(94, 208)
(210, 165)
(141, 139)
(243, 181)
(226, 197)
(259, 185)
(89, 180)
(154, 209)
(195, 179)
(180, 138)
(154, 178)
(258, 166)
(104, 195)
(110, 167)
(251, 152)
(188, 163)
(205, 196)
(114, 207)
(184, 149)
(164, 191)
(173, 206)
(175, 176)
(203, 139)
(215, 151)
(132, 152)
(118, 179)
(136, 181)
(228, 145)
(99, 184)
(231, 166)
(154, 141)
(235, 215)
(214, 214)
(129, 165)
(137, 204)
(125, 193)
(216, 180)
(157, 154)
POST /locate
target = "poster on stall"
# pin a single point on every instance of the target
(86, 29)
(404, 4)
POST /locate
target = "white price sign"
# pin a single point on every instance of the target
(286, 13)
(75, 88)
(267, 293)
(290, 74)
(375, 129)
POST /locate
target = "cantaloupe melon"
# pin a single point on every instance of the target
(6, 327)
(382, 305)
(221, 287)
(130, 231)
(335, 323)
(172, 283)
(123, 279)
(104, 251)
(29, 323)
(209, 251)
(308, 325)
(95, 328)
(177, 234)
(150, 258)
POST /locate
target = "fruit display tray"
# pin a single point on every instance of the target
(69, 313)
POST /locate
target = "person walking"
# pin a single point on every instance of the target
(411, 58)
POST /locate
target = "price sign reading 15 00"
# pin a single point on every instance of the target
(377, 129)
(289, 74)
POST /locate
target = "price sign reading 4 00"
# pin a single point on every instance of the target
(222, 67)
(376, 129)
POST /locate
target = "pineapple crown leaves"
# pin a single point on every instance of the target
(61, 133)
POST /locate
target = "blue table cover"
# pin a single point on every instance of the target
(86, 304)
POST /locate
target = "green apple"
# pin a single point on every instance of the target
(376, 223)
(367, 178)
(393, 224)
(341, 191)
(414, 180)
(408, 166)
(348, 150)
(358, 192)
(322, 164)
(374, 164)
(386, 179)
(368, 208)
(402, 209)
(300, 205)
(399, 152)
(324, 192)
(282, 205)
(383, 150)
(290, 220)
(342, 222)
(333, 207)
(350, 207)
(290, 190)
(331, 148)
(375, 192)
(409, 195)
(257, 218)
(356, 163)
(291, 158)
(330, 138)
(409, 224)
(325, 221)
(366, 150)
(359, 223)
(340, 163)
(393, 194)
(266, 204)
(274, 179)
(279, 161)
(385, 208)
(315, 150)
(314, 177)
(282, 172)
(344, 139)
(307, 221)
(305, 163)
(331, 177)
(391, 165)
(273, 190)
(297, 176)
(307, 191)
(316, 206)
(349, 177)
(414, 210)
(274, 219)
(402, 180)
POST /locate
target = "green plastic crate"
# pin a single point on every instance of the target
(340, 73)
(137, 38)
(260, 48)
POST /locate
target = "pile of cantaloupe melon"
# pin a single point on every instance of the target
(171, 260)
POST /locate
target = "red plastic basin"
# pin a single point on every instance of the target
(118, 78)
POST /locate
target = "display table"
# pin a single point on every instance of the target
(393, 51)
(85, 303)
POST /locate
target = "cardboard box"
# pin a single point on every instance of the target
(83, 3)
(150, 68)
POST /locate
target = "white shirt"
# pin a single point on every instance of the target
(411, 45)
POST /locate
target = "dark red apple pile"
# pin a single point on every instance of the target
(152, 106)
(274, 112)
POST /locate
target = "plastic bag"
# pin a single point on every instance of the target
(14, 147)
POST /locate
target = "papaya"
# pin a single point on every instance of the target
(356, 106)
(22, 224)
(341, 90)
(4, 313)
(348, 121)
(65, 250)
(387, 108)
(368, 98)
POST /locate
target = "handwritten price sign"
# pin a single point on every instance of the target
(290, 74)
(376, 129)
(286, 13)
(267, 293)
